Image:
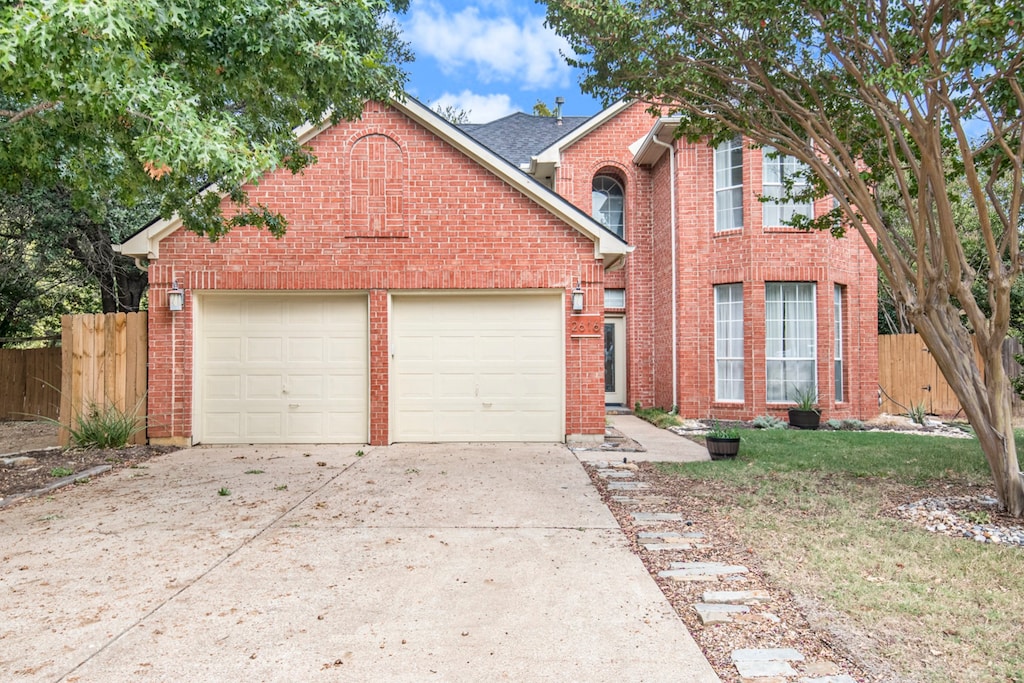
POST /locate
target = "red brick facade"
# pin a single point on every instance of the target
(460, 228)
(393, 207)
(752, 256)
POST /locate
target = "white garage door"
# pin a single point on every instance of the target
(478, 368)
(281, 369)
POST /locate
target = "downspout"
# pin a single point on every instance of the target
(675, 272)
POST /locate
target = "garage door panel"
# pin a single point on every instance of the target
(306, 387)
(222, 387)
(346, 351)
(305, 424)
(497, 348)
(282, 369)
(493, 372)
(223, 349)
(263, 350)
(455, 348)
(262, 387)
(496, 385)
(534, 349)
(454, 386)
(263, 425)
(265, 313)
(305, 350)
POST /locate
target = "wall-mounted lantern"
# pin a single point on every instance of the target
(577, 300)
(176, 298)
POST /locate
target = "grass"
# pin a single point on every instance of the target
(812, 506)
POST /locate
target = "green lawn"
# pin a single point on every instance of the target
(904, 457)
(816, 508)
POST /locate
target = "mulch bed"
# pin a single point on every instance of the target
(34, 470)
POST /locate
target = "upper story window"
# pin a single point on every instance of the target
(778, 169)
(729, 185)
(608, 203)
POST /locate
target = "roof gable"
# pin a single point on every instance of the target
(145, 244)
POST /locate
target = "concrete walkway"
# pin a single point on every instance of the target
(661, 444)
(406, 563)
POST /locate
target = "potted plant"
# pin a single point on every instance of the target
(805, 414)
(722, 442)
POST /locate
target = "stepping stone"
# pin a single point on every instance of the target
(700, 571)
(658, 547)
(821, 668)
(615, 474)
(770, 654)
(710, 566)
(625, 500)
(718, 614)
(765, 669)
(842, 678)
(657, 517)
(736, 597)
(628, 485)
(671, 536)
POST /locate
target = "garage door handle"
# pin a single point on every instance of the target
(293, 405)
(488, 405)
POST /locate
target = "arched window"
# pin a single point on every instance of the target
(608, 203)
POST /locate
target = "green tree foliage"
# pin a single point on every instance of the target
(452, 113)
(38, 282)
(60, 260)
(119, 98)
(541, 109)
(916, 93)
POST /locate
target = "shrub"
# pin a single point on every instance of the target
(659, 417)
(769, 422)
(105, 427)
(917, 413)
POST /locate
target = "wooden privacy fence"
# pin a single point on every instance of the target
(31, 383)
(103, 364)
(909, 376)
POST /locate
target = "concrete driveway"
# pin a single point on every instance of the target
(408, 563)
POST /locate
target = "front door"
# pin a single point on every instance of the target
(614, 360)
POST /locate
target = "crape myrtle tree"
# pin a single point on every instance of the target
(110, 99)
(863, 92)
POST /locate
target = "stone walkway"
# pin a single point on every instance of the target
(733, 594)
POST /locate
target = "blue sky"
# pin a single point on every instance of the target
(491, 58)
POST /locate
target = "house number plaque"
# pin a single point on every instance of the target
(585, 325)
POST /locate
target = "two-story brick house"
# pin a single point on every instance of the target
(447, 284)
(761, 310)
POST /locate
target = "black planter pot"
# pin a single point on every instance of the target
(804, 419)
(721, 448)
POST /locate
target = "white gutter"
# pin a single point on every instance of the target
(675, 273)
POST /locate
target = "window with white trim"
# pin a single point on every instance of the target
(790, 340)
(776, 171)
(608, 204)
(614, 298)
(838, 313)
(729, 342)
(729, 185)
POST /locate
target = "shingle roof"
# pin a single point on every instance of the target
(519, 136)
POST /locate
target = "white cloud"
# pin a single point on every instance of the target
(481, 108)
(499, 48)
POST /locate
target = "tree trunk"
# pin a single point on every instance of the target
(985, 399)
(121, 283)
